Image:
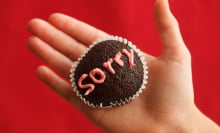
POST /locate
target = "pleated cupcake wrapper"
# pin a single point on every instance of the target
(115, 103)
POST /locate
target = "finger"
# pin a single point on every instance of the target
(49, 55)
(60, 86)
(167, 25)
(77, 29)
(56, 38)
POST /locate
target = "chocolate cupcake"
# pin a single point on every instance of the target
(111, 73)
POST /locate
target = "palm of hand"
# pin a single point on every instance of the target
(169, 90)
(161, 100)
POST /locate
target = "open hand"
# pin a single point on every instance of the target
(163, 106)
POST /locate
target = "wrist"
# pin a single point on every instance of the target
(197, 122)
(191, 121)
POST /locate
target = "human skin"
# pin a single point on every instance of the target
(167, 103)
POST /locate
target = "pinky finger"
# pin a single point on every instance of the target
(59, 85)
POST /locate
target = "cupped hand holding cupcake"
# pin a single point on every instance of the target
(166, 104)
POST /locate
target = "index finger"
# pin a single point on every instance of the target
(75, 28)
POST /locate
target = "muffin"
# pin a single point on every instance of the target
(111, 73)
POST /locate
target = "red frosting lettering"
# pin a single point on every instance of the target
(100, 73)
(118, 60)
(130, 56)
(108, 66)
(90, 86)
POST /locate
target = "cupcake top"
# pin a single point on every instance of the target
(111, 73)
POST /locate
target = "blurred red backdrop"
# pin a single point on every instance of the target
(27, 106)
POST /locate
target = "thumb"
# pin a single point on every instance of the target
(168, 28)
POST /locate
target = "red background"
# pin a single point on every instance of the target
(26, 105)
